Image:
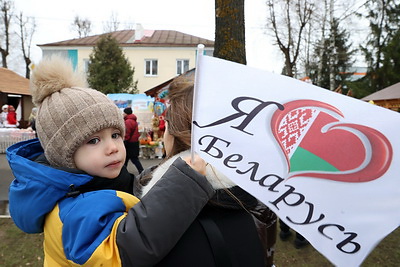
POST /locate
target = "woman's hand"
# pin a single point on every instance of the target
(198, 164)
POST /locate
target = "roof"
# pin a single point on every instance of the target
(150, 38)
(153, 92)
(12, 83)
(391, 92)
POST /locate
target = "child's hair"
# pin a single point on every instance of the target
(68, 113)
(179, 113)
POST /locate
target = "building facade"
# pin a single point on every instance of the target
(156, 55)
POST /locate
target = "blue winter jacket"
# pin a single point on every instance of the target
(103, 227)
(36, 188)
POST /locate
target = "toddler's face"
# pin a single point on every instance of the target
(102, 154)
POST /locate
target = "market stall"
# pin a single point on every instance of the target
(149, 148)
(161, 102)
(388, 97)
(142, 105)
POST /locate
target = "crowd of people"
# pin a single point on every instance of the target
(72, 184)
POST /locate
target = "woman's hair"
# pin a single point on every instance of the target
(179, 113)
(179, 118)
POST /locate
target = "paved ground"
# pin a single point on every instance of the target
(6, 175)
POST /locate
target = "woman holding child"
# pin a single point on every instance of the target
(71, 184)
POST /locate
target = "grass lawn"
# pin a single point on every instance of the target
(20, 249)
(386, 254)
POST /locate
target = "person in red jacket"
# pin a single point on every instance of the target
(132, 139)
(12, 117)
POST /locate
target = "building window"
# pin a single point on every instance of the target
(151, 67)
(86, 63)
(182, 65)
(209, 52)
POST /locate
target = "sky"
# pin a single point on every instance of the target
(195, 17)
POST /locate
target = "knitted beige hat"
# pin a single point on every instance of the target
(68, 113)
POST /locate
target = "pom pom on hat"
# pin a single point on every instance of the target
(67, 113)
(52, 75)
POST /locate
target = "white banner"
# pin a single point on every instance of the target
(325, 163)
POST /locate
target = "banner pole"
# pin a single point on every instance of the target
(200, 51)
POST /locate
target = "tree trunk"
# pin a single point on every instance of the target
(4, 55)
(332, 59)
(322, 45)
(6, 15)
(27, 69)
(230, 30)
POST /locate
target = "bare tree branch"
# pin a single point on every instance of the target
(294, 16)
(27, 27)
(6, 9)
(82, 26)
(112, 24)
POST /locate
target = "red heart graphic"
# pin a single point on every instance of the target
(358, 153)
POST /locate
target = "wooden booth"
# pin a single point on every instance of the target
(14, 90)
(388, 97)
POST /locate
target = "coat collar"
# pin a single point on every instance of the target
(214, 177)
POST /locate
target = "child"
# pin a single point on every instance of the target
(72, 185)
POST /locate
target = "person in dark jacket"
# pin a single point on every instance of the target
(72, 185)
(224, 233)
(132, 139)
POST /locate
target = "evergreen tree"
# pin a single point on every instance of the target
(384, 19)
(343, 53)
(390, 70)
(109, 70)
